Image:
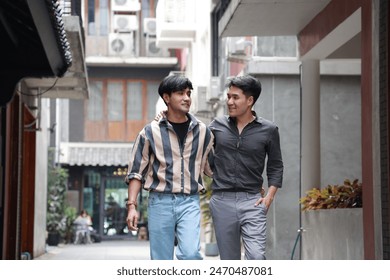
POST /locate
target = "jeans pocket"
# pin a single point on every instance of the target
(153, 199)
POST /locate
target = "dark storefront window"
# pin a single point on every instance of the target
(104, 197)
(91, 196)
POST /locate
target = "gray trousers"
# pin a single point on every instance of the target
(236, 217)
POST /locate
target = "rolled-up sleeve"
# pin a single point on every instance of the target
(139, 158)
(275, 162)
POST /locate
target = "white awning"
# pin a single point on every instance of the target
(95, 154)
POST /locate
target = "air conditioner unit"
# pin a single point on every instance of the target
(150, 26)
(237, 45)
(124, 23)
(125, 5)
(152, 50)
(121, 44)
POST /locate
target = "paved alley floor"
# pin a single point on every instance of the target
(124, 249)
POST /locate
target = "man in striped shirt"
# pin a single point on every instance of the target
(168, 158)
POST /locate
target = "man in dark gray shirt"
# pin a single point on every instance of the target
(243, 144)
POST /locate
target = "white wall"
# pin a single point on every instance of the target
(42, 143)
(199, 54)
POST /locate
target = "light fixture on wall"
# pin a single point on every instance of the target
(120, 171)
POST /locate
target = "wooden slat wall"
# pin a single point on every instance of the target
(114, 131)
(28, 187)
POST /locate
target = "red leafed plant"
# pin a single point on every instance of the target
(348, 195)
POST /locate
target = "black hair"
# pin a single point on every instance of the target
(174, 83)
(248, 84)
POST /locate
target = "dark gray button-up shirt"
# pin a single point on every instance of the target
(239, 159)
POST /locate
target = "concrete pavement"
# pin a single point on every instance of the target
(123, 249)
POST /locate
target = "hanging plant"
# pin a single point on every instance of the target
(348, 195)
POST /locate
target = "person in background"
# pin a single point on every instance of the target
(82, 223)
(243, 142)
(168, 159)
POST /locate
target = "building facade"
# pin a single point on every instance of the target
(125, 67)
(336, 117)
(92, 117)
(44, 58)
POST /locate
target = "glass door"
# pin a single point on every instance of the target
(114, 210)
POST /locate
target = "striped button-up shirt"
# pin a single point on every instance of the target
(163, 164)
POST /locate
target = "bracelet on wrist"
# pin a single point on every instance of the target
(131, 202)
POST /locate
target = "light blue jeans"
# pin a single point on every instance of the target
(170, 214)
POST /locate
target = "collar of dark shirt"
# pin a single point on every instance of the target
(257, 119)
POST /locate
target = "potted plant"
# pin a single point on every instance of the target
(55, 204)
(332, 220)
(348, 195)
(211, 247)
(70, 215)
